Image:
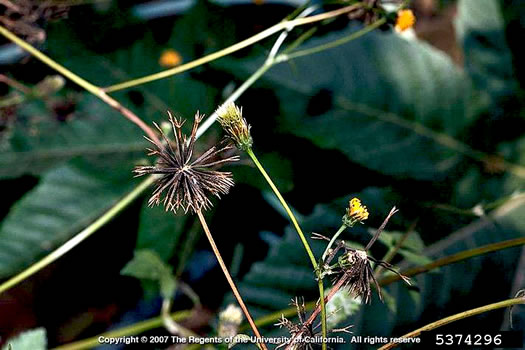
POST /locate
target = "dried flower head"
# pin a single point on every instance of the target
(186, 183)
(230, 117)
(355, 264)
(405, 20)
(356, 212)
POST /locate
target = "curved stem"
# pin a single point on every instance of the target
(95, 90)
(336, 43)
(332, 241)
(82, 235)
(228, 277)
(301, 236)
(236, 47)
(447, 260)
(457, 317)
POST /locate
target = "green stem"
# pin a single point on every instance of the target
(301, 236)
(332, 241)
(95, 90)
(238, 46)
(336, 43)
(134, 329)
(81, 236)
(457, 317)
(447, 260)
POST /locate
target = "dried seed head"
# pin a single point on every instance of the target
(405, 20)
(186, 183)
(237, 129)
(356, 212)
(359, 274)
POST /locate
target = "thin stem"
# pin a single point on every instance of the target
(236, 94)
(236, 47)
(170, 324)
(332, 241)
(82, 235)
(447, 260)
(457, 317)
(301, 236)
(228, 277)
(393, 251)
(134, 329)
(81, 82)
(338, 42)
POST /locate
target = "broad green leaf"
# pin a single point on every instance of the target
(480, 29)
(341, 307)
(34, 339)
(147, 265)
(40, 142)
(159, 231)
(66, 200)
(387, 103)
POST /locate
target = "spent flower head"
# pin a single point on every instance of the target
(356, 212)
(237, 129)
(186, 183)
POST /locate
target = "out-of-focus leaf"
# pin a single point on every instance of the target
(381, 100)
(480, 29)
(66, 200)
(34, 339)
(340, 308)
(159, 230)
(278, 167)
(40, 142)
(147, 265)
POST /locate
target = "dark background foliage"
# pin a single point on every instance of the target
(383, 118)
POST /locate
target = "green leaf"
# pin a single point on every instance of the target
(41, 142)
(159, 231)
(341, 307)
(65, 201)
(480, 29)
(147, 265)
(387, 103)
(34, 339)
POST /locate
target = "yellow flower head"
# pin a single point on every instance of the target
(356, 212)
(170, 58)
(405, 20)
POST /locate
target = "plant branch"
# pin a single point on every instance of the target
(447, 260)
(301, 236)
(332, 241)
(82, 235)
(457, 317)
(236, 47)
(335, 43)
(228, 277)
(81, 82)
(393, 251)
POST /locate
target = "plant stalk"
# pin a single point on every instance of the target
(229, 278)
(301, 236)
(95, 90)
(332, 241)
(457, 317)
(81, 236)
